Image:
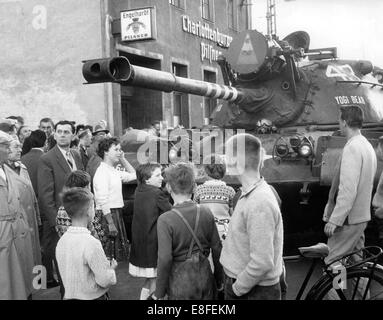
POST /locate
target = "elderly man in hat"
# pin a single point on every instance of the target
(8, 126)
(16, 252)
(85, 140)
(27, 199)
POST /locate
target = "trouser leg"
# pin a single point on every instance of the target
(48, 253)
(345, 240)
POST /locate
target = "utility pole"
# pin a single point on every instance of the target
(271, 19)
(249, 13)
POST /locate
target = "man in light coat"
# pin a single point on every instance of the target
(16, 253)
(348, 213)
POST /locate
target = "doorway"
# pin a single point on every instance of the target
(140, 107)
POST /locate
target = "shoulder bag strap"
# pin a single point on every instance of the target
(191, 230)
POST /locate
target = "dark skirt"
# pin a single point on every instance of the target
(118, 247)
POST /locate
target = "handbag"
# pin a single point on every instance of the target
(192, 279)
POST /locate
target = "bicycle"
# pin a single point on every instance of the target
(364, 274)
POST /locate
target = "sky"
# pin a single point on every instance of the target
(355, 27)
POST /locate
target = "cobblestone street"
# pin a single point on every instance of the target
(128, 287)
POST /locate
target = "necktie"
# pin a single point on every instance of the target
(2, 173)
(68, 160)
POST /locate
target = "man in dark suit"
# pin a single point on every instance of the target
(31, 159)
(85, 138)
(47, 125)
(53, 168)
(98, 134)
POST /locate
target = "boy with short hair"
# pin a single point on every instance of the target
(76, 179)
(86, 272)
(252, 252)
(176, 277)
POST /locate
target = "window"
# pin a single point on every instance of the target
(207, 10)
(178, 3)
(181, 100)
(209, 103)
(232, 14)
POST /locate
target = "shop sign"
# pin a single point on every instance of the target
(204, 31)
(138, 24)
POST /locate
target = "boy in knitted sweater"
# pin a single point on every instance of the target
(252, 252)
(86, 272)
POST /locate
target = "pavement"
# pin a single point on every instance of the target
(129, 288)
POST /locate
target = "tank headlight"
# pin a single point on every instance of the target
(282, 150)
(295, 142)
(305, 150)
(173, 155)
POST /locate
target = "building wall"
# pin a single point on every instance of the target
(174, 45)
(42, 45)
(45, 41)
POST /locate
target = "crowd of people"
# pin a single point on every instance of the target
(61, 198)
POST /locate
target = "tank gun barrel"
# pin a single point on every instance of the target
(120, 70)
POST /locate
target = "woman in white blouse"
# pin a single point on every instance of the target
(107, 186)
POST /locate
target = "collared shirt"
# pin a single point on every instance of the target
(68, 156)
(15, 166)
(245, 193)
(85, 149)
(2, 173)
(41, 149)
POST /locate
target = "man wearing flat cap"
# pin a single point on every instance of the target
(8, 126)
(100, 131)
(85, 140)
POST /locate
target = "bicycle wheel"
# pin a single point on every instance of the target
(361, 284)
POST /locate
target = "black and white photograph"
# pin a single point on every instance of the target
(204, 151)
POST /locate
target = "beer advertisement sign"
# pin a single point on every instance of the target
(138, 24)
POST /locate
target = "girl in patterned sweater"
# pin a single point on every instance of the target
(76, 179)
(216, 195)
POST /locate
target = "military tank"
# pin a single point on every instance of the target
(286, 94)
